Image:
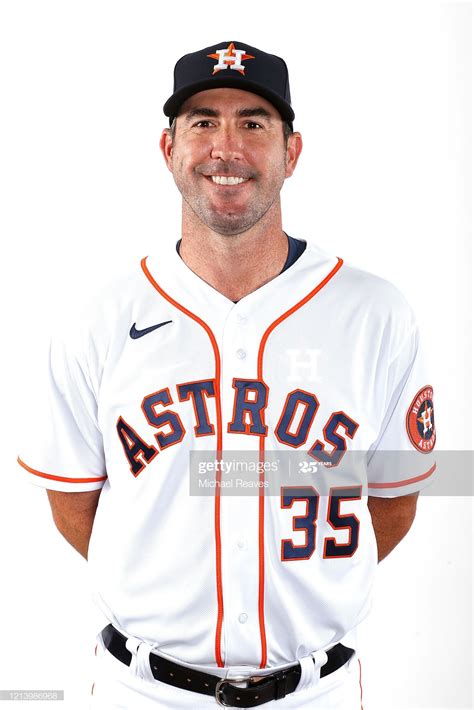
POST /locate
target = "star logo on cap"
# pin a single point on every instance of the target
(230, 58)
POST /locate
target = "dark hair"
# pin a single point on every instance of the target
(287, 130)
(173, 128)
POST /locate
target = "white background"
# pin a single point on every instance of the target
(382, 94)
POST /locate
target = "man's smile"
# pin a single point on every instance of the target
(227, 180)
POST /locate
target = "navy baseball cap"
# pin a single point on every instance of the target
(236, 65)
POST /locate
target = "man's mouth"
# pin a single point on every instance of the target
(227, 179)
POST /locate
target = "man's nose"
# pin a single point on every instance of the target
(226, 144)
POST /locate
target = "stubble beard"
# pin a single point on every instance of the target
(227, 224)
(230, 223)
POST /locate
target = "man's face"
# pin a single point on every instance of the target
(223, 134)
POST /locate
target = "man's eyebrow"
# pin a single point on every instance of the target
(201, 111)
(204, 111)
(256, 111)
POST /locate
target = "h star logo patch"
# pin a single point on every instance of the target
(230, 58)
(425, 418)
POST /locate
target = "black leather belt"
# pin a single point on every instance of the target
(259, 690)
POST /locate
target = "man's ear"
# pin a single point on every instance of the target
(293, 152)
(166, 145)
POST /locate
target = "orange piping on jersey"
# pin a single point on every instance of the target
(360, 683)
(406, 482)
(60, 478)
(217, 507)
(261, 502)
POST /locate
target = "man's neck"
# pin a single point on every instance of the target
(235, 265)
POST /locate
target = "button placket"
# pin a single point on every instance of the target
(239, 514)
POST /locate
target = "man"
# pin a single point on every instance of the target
(237, 344)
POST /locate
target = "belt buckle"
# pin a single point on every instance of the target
(220, 683)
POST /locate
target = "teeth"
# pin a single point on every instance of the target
(225, 180)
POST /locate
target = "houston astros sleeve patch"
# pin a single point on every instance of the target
(420, 421)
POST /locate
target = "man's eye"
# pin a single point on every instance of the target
(205, 123)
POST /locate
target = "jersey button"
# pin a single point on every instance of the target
(243, 618)
(241, 544)
(240, 318)
(241, 354)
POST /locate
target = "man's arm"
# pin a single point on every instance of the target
(392, 518)
(73, 514)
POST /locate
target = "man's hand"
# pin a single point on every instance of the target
(73, 514)
(392, 518)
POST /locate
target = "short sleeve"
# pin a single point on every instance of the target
(63, 450)
(402, 460)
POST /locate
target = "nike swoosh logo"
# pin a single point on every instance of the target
(134, 333)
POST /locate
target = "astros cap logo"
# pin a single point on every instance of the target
(230, 58)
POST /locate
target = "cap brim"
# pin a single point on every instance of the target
(172, 106)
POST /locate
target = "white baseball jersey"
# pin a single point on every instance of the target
(321, 361)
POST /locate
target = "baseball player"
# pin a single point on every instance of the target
(234, 344)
